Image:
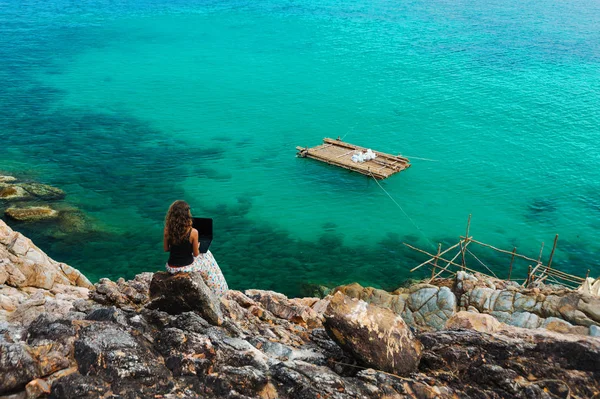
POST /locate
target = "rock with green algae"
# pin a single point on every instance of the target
(43, 191)
(13, 192)
(7, 179)
(31, 213)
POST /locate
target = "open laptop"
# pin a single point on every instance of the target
(205, 232)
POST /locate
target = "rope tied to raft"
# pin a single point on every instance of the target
(404, 212)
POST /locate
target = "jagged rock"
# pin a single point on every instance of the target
(17, 367)
(80, 387)
(31, 213)
(132, 294)
(30, 302)
(184, 292)
(111, 314)
(294, 311)
(513, 362)
(25, 265)
(117, 356)
(375, 335)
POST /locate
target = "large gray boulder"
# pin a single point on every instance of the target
(184, 292)
(376, 336)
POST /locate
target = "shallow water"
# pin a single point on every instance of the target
(128, 106)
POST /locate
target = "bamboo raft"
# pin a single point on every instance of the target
(339, 153)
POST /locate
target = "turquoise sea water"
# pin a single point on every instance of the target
(129, 105)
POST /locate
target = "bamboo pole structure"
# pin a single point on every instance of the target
(436, 260)
(537, 271)
(573, 279)
(512, 260)
(442, 259)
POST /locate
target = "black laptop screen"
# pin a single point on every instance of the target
(205, 232)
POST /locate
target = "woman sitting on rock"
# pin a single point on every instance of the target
(181, 240)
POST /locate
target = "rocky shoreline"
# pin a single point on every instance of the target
(163, 336)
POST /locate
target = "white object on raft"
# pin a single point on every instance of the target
(590, 286)
(362, 157)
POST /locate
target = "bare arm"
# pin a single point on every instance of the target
(165, 241)
(195, 245)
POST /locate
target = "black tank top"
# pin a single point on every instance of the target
(181, 254)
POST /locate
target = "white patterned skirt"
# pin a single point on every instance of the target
(209, 270)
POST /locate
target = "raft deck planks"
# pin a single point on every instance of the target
(339, 153)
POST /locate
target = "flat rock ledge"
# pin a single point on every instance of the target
(128, 340)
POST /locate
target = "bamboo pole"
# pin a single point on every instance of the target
(471, 239)
(587, 274)
(552, 253)
(468, 226)
(541, 251)
(462, 251)
(464, 261)
(442, 253)
(512, 260)
(436, 260)
(560, 273)
(571, 279)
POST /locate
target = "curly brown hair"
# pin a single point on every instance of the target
(178, 222)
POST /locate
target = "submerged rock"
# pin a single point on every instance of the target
(14, 192)
(43, 191)
(31, 213)
(375, 335)
(7, 179)
(184, 292)
(11, 190)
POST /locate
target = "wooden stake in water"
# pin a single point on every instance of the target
(436, 261)
(552, 254)
(462, 247)
(512, 259)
